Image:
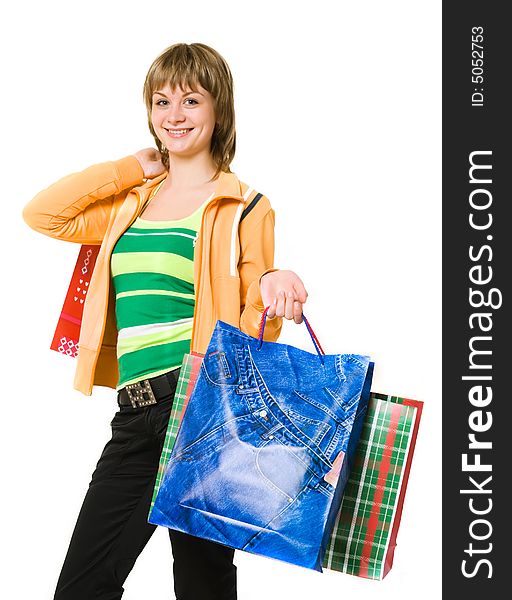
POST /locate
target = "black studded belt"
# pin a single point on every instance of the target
(148, 391)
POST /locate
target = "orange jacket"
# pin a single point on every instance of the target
(97, 205)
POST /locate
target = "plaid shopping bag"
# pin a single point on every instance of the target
(364, 536)
(67, 332)
(188, 374)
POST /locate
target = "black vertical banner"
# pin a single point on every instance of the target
(477, 268)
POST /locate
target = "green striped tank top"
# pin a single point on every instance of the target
(152, 267)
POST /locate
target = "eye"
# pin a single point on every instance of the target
(166, 102)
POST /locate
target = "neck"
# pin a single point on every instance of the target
(186, 172)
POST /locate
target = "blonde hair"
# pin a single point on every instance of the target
(187, 65)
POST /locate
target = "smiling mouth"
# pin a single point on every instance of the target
(177, 133)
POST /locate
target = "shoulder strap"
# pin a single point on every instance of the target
(251, 206)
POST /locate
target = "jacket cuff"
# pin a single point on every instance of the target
(130, 172)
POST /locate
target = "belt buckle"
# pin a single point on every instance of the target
(136, 393)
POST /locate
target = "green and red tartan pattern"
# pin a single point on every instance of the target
(186, 381)
(364, 535)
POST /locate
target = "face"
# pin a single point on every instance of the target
(172, 112)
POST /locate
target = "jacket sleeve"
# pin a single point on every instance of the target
(256, 259)
(77, 207)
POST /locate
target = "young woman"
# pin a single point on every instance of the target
(183, 243)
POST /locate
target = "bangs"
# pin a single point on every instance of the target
(180, 68)
(185, 81)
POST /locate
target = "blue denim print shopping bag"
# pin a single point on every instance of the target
(265, 446)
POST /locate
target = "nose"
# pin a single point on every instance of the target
(175, 114)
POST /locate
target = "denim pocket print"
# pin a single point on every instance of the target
(237, 478)
(290, 480)
(315, 430)
(220, 368)
(213, 441)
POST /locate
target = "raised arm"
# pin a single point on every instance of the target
(77, 208)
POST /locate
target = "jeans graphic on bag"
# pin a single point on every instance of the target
(263, 447)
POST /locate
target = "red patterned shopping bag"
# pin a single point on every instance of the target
(67, 332)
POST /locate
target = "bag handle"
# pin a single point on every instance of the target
(316, 343)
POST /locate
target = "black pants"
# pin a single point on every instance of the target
(112, 529)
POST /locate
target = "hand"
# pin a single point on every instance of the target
(285, 293)
(151, 162)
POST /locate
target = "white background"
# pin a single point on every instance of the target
(338, 122)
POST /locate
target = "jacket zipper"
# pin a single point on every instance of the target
(109, 258)
(197, 290)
